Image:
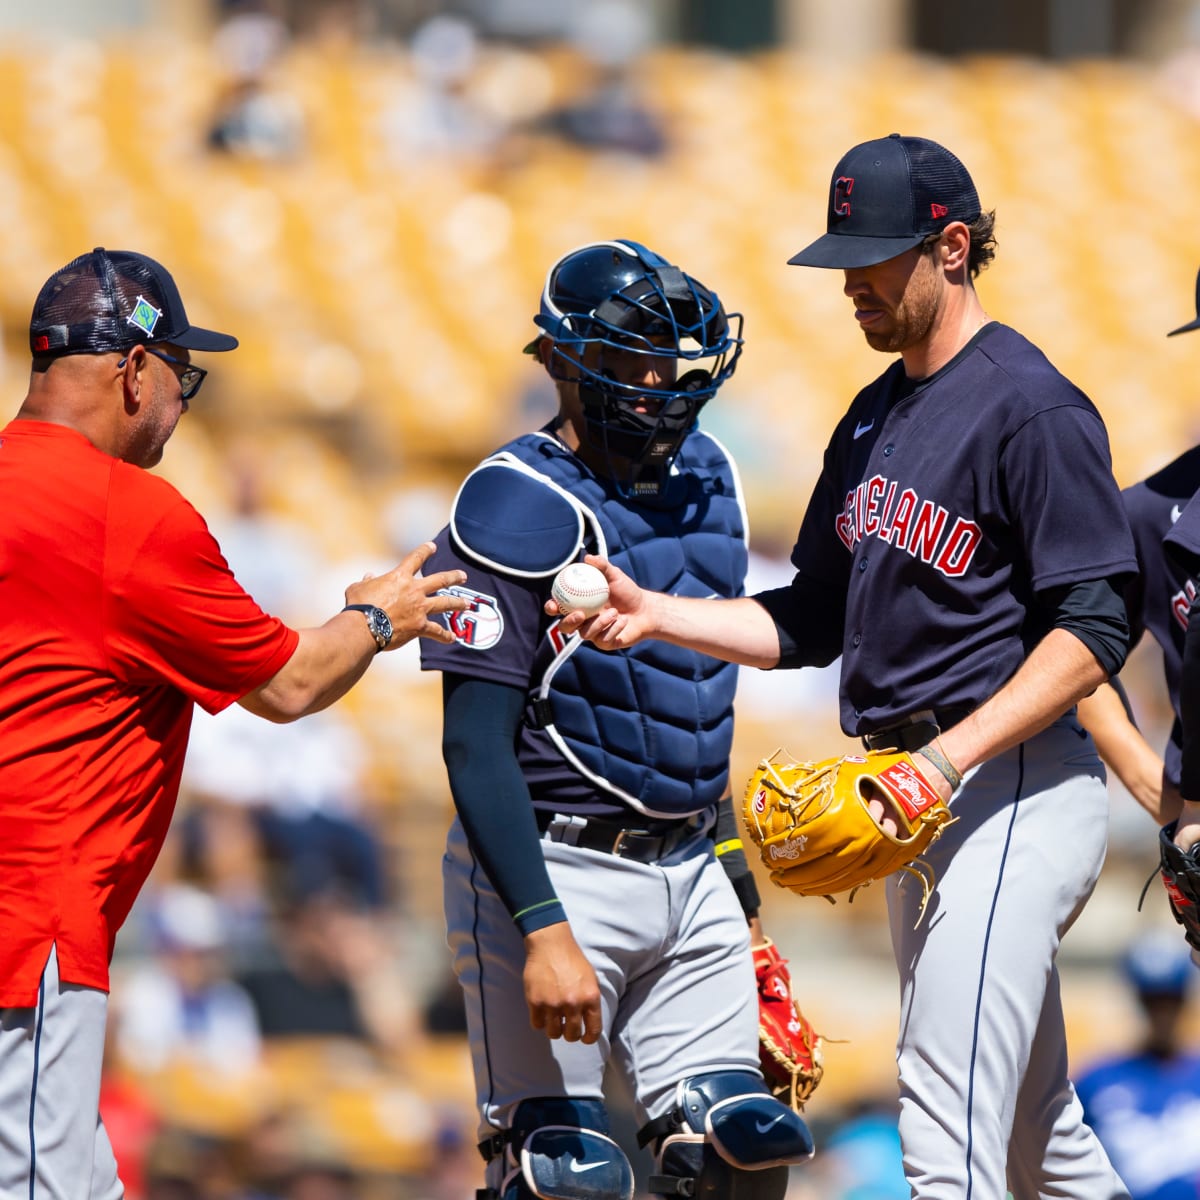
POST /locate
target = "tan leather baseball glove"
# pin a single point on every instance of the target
(814, 828)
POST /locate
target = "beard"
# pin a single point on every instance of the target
(913, 318)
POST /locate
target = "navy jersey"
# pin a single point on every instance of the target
(1159, 598)
(650, 728)
(1182, 542)
(944, 507)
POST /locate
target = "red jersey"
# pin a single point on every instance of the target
(117, 613)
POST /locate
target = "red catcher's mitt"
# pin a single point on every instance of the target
(790, 1051)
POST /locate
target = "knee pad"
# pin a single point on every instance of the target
(557, 1149)
(725, 1138)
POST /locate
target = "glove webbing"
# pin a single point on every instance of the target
(921, 871)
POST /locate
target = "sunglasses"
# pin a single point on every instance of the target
(190, 377)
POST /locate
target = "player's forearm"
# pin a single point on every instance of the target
(1123, 748)
(739, 631)
(327, 662)
(481, 719)
(1059, 672)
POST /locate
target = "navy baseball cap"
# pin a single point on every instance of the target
(1191, 324)
(886, 196)
(112, 300)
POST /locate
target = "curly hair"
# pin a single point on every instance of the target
(983, 242)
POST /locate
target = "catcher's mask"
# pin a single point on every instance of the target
(625, 300)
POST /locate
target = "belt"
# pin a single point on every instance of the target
(607, 837)
(917, 730)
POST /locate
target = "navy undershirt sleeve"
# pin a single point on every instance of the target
(481, 721)
(1094, 611)
(1189, 706)
(810, 618)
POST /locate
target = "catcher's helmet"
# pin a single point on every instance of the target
(622, 297)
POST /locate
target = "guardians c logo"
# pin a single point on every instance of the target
(842, 187)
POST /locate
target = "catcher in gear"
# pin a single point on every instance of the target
(836, 825)
(598, 901)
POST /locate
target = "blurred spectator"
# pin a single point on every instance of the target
(612, 115)
(301, 788)
(445, 1011)
(1145, 1105)
(433, 113)
(184, 1164)
(612, 112)
(455, 1170)
(182, 1004)
(130, 1116)
(174, 1166)
(314, 1179)
(861, 1158)
(277, 556)
(298, 795)
(336, 976)
(220, 844)
(255, 117)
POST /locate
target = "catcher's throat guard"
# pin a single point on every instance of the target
(815, 830)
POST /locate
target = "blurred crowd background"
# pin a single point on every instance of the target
(369, 193)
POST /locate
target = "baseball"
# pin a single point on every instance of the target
(579, 587)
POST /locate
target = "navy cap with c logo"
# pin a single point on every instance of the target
(887, 196)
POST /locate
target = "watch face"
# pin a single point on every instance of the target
(380, 625)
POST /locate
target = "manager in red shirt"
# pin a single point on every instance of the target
(117, 614)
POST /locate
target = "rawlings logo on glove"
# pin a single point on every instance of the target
(815, 830)
(790, 1051)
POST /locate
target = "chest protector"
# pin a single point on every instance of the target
(652, 725)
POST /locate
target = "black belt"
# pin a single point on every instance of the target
(917, 730)
(607, 837)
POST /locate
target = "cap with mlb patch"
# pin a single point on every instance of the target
(886, 196)
(111, 300)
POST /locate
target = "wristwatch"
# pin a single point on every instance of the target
(378, 622)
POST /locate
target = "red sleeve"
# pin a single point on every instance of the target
(174, 610)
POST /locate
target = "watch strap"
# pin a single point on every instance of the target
(367, 610)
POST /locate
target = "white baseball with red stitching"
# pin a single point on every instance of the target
(580, 587)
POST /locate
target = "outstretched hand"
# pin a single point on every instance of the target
(410, 598)
(623, 622)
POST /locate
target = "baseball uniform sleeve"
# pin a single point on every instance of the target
(496, 638)
(1056, 477)
(1182, 544)
(1146, 542)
